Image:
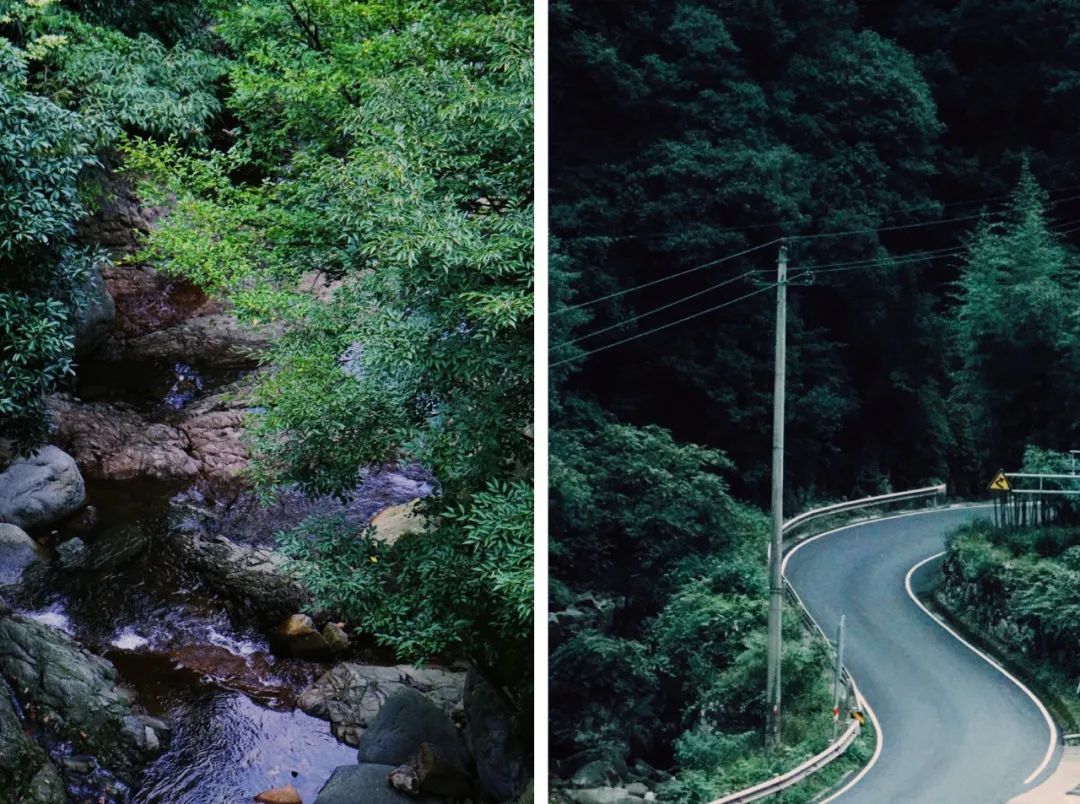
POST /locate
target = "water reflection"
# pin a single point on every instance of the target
(227, 749)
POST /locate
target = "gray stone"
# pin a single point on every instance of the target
(93, 319)
(637, 789)
(25, 771)
(351, 694)
(598, 773)
(218, 339)
(255, 576)
(495, 740)
(73, 554)
(17, 552)
(47, 787)
(603, 795)
(118, 545)
(650, 796)
(406, 721)
(77, 693)
(41, 489)
(367, 784)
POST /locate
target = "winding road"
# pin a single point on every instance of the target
(953, 728)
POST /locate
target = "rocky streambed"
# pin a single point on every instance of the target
(153, 646)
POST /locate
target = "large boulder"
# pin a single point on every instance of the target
(367, 784)
(350, 695)
(41, 489)
(217, 339)
(495, 740)
(26, 774)
(115, 442)
(95, 316)
(78, 695)
(256, 577)
(410, 729)
(17, 552)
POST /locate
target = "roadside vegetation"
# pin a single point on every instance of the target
(1019, 590)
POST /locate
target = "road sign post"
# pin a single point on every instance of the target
(839, 675)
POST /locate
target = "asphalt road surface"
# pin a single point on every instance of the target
(953, 729)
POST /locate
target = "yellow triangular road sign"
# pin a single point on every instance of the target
(1000, 482)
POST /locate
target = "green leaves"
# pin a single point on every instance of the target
(1017, 332)
(377, 204)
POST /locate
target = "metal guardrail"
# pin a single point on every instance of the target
(863, 502)
(795, 775)
(837, 748)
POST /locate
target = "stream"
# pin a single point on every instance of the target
(192, 657)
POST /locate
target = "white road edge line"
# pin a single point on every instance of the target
(993, 663)
(878, 733)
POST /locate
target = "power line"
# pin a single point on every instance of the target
(662, 326)
(852, 265)
(653, 311)
(816, 236)
(665, 278)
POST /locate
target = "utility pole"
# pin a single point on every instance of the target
(839, 676)
(776, 580)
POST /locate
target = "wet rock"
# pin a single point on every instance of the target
(82, 765)
(409, 726)
(369, 784)
(216, 340)
(118, 545)
(93, 319)
(47, 787)
(335, 637)
(280, 795)
(494, 738)
(637, 789)
(41, 489)
(73, 554)
(76, 694)
(255, 576)
(146, 301)
(406, 779)
(299, 637)
(441, 775)
(26, 774)
(17, 552)
(350, 695)
(114, 442)
(399, 520)
(83, 522)
(598, 773)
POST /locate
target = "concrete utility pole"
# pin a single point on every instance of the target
(839, 675)
(776, 580)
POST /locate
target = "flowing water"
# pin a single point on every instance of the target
(194, 659)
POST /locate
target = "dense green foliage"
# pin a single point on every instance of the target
(382, 152)
(1022, 585)
(664, 653)
(934, 337)
(68, 89)
(358, 175)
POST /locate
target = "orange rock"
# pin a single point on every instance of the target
(280, 795)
